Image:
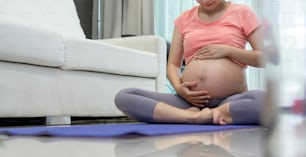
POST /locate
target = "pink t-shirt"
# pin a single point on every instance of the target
(231, 28)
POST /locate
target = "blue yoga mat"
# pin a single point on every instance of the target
(113, 130)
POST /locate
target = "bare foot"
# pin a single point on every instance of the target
(218, 118)
(221, 115)
(194, 109)
(204, 116)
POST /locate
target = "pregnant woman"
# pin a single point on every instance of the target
(212, 88)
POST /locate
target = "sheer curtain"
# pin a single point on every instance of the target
(165, 13)
(167, 10)
(123, 17)
(288, 18)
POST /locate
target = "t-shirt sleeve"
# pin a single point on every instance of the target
(249, 20)
(179, 23)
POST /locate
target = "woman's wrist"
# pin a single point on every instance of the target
(176, 87)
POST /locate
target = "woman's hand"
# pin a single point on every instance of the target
(213, 51)
(196, 98)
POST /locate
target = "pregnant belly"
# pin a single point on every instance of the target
(220, 77)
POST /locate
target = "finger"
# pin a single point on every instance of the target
(200, 101)
(204, 102)
(198, 93)
(198, 105)
(190, 84)
(201, 54)
(200, 57)
(207, 55)
(201, 51)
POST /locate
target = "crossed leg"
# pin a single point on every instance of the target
(152, 107)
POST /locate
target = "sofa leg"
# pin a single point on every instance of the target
(58, 120)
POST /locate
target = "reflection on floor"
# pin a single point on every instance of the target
(232, 143)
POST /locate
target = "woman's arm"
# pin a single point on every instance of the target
(197, 98)
(175, 59)
(252, 57)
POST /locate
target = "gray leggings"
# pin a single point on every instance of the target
(245, 108)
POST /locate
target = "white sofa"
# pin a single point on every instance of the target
(49, 69)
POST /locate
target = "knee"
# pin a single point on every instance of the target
(257, 94)
(121, 98)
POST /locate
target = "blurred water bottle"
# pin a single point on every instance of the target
(284, 23)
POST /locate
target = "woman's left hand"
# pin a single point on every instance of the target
(213, 51)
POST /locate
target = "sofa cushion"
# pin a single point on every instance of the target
(24, 44)
(57, 15)
(91, 55)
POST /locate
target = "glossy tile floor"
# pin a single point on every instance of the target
(288, 141)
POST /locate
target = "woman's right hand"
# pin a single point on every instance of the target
(196, 98)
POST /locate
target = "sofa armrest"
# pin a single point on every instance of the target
(154, 44)
(144, 43)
